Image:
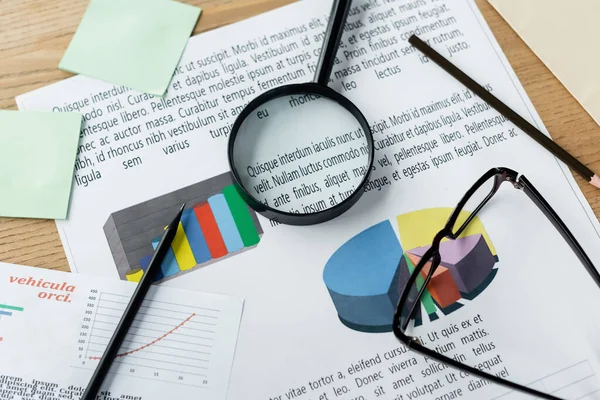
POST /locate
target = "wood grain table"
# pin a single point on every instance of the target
(35, 33)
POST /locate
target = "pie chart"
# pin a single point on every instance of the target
(367, 273)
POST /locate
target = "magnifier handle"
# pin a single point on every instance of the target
(335, 28)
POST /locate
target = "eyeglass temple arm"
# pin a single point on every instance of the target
(549, 212)
(494, 172)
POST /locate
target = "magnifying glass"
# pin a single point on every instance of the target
(301, 154)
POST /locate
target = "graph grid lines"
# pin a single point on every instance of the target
(130, 352)
(577, 381)
(167, 341)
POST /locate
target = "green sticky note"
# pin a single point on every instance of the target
(37, 158)
(133, 43)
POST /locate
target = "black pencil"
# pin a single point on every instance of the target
(503, 109)
(132, 309)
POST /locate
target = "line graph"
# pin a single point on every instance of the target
(167, 341)
(130, 352)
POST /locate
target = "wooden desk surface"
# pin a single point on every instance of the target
(35, 33)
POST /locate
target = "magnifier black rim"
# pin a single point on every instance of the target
(296, 218)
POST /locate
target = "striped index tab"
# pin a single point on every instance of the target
(226, 223)
(241, 216)
(13, 308)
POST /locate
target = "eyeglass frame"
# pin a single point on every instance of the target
(500, 175)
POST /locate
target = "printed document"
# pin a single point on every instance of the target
(55, 326)
(515, 301)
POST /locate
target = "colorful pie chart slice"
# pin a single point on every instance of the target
(362, 279)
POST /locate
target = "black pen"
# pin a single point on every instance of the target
(132, 309)
(505, 110)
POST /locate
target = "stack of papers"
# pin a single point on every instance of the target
(300, 338)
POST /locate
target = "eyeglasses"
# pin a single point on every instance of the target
(475, 199)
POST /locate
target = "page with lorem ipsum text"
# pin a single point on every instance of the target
(181, 343)
(319, 299)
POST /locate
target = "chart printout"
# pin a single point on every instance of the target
(54, 327)
(510, 297)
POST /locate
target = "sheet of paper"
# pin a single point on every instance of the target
(570, 52)
(134, 43)
(37, 158)
(433, 140)
(54, 327)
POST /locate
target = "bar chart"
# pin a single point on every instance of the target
(366, 275)
(7, 310)
(215, 224)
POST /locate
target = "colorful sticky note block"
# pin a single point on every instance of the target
(134, 43)
(37, 158)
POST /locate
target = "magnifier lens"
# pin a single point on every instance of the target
(301, 153)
